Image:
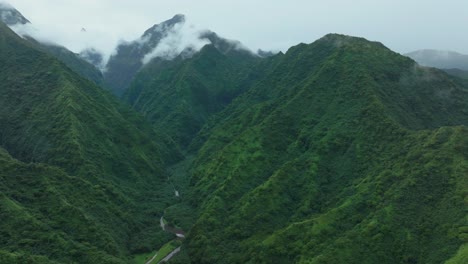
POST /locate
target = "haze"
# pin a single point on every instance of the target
(270, 25)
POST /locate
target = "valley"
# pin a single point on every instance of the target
(337, 151)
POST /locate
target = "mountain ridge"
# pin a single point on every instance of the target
(65, 142)
(315, 138)
(337, 151)
(16, 21)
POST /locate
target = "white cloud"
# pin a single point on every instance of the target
(182, 37)
(5, 5)
(400, 24)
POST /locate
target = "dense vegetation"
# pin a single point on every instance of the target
(344, 152)
(179, 96)
(462, 75)
(128, 59)
(12, 17)
(340, 151)
(73, 61)
(84, 178)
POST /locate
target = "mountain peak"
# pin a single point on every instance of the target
(10, 16)
(340, 40)
(164, 26)
(178, 18)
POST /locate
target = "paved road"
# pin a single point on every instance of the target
(151, 260)
(179, 233)
(172, 254)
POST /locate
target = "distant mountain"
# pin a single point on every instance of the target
(12, 17)
(81, 178)
(462, 75)
(264, 54)
(93, 56)
(440, 59)
(130, 57)
(128, 60)
(457, 72)
(180, 96)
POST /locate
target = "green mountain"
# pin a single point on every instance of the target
(128, 63)
(128, 59)
(339, 151)
(12, 17)
(71, 60)
(342, 151)
(179, 96)
(82, 177)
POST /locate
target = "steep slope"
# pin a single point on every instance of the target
(342, 152)
(85, 181)
(71, 60)
(15, 20)
(174, 42)
(440, 59)
(10, 16)
(179, 96)
(128, 60)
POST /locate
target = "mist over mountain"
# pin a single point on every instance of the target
(187, 147)
(165, 41)
(440, 59)
(18, 23)
(11, 16)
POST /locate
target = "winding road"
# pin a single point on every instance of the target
(179, 234)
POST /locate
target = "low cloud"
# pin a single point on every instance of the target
(6, 5)
(28, 30)
(182, 37)
(88, 39)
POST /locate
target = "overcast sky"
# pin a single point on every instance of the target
(402, 25)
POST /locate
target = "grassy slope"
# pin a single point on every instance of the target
(49, 115)
(344, 152)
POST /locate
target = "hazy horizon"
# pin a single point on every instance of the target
(267, 25)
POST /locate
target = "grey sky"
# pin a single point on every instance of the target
(402, 25)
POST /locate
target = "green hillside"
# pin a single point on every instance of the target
(339, 151)
(86, 180)
(11, 17)
(73, 61)
(179, 96)
(342, 152)
(128, 58)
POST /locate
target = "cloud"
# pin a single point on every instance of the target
(5, 5)
(76, 41)
(181, 38)
(270, 25)
(28, 30)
